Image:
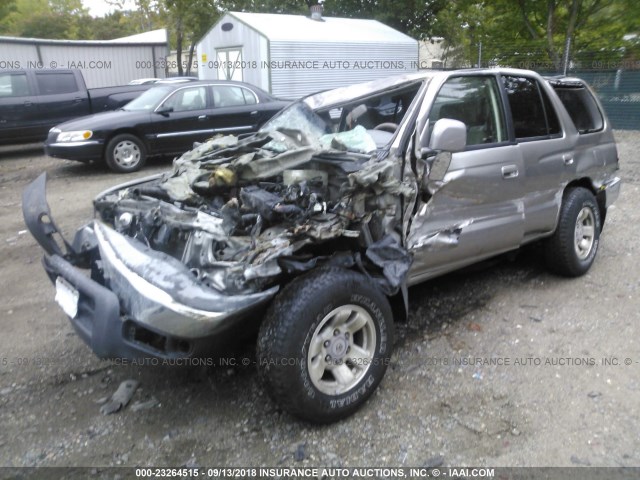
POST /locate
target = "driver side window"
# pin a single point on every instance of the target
(187, 99)
(475, 101)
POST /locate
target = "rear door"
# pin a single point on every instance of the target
(61, 97)
(547, 152)
(235, 110)
(477, 212)
(18, 110)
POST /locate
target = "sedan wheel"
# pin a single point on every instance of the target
(125, 153)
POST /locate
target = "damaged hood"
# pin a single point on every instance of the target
(241, 214)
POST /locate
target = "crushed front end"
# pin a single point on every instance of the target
(175, 265)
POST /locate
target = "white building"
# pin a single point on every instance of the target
(293, 55)
(103, 63)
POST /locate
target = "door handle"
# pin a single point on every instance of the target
(567, 159)
(509, 171)
(28, 103)
(77, 100)
(202, 117)
(255, 112)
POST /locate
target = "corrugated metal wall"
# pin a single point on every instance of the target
(336, 64)
(281, 67)
(102, 64)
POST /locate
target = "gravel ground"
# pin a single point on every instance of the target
(565, 398)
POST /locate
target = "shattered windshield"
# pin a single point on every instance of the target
(360, 124)
(299, 116)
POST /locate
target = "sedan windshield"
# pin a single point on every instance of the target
(149, 100)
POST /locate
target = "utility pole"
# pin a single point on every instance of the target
(565, 60)
(480, 54)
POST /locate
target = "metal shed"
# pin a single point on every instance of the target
(293, 55)
(103, 63)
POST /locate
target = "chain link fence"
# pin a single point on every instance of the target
(614, 76)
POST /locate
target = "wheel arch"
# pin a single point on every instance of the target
(398, 301)
(588, 184)
(130, 131)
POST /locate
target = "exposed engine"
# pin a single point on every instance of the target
(237, 231)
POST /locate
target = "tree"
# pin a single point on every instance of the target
(63, 19)
(413, 17)
(115, 25)
(6, 8)
(538, 34)
(189, 21)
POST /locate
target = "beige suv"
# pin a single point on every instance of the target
(311, 229)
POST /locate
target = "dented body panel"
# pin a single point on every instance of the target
(350, 178)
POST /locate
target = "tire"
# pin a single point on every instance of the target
(125, 153)
(309, 340)
(572, 248)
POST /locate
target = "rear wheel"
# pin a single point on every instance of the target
(125, 153)
(573, 247)
(325, 344)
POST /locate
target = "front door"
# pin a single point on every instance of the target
(477, 212)
(184, 121)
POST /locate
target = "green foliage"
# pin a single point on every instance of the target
(6, 8)
(520, 33)
(414, 17)
(63, 19)
(188, 21)
(295, 7)
(535, 33)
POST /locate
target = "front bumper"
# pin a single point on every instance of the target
(112, 334)
(81, 151)
(162, 294)
(138, 303)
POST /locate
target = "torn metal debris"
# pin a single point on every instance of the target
(120, 398)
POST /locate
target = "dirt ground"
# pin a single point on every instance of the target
(564, 394)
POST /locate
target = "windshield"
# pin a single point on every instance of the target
(350, 119)
(298, 116)
(149, 100)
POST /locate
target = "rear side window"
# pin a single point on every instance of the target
(56, 83)
(14, 85)
(582, 108)
(228, 96)
(531, 110)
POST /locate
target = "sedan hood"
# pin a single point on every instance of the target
(104, 120)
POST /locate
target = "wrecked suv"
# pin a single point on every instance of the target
(311, 229)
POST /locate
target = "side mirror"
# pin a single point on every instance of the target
(448, 135)
(439, 166)
(164, 110)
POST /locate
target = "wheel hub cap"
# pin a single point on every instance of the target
(126, 153)
(338, 347)
(584, 233)
(341, 349)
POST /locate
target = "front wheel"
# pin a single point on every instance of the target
(125, 153)
(325, 344)
(573, 247)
